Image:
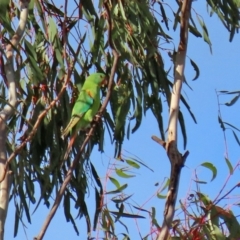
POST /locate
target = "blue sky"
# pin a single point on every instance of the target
(219, 71)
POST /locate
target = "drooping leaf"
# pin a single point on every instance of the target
(122, 173)
(233, 101)
(164, 16)
(183, 129)
(24, 203)
(236, 137)
(221, 123)
(115, 182)
(98, 202)
(205, 32)
(120, 200)
(17, 218)
(196, 69)
(204, 198)
(231, 223)
(132, 163)
(66, 204)
(231, 126)
(211, 167)
(229, 166)
(118, 190)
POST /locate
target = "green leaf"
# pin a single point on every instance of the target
(138, 110)
(54, 9)
(98, 202)
(205, 199)
(161, 196)
(120, 200)
(52, 30)
(108, 223)
(205, 32)
(88, 9)
(236, 137)
(194, 31)
(5, 15)
(115, 182)
(66, 205)
(97, 178)
(221, 123)
(216, 233)
(30, 189)
(232, 32)
(211, 167)
(196, 69)
(121, 209)
(231, 223)
(153, 216)
(233, 101)
(165, 18)
(24, 203)
(183, 129)
(229, 166)
(229, 92)
(231, 126)
(35, 74)
(120, 189)
(165, 185)
(127, 215)
(122, 173)
(140, 162)
(30, 50)
(200, 182)
(17, 218)
(122, 11)
(188, 108)
(133, 164)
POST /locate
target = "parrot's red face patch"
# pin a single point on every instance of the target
(104, 82)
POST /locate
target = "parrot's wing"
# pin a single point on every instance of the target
(82, 105)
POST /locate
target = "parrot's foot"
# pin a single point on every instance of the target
(97, 119)
(89, 134)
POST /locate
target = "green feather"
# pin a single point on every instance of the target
(87, 104)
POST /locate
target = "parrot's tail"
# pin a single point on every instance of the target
(69, 146)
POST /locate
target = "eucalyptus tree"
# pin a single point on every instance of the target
(44, 62)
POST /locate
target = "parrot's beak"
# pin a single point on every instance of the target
(104, 82)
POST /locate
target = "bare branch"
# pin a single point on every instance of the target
(176, 159)
(159, 141)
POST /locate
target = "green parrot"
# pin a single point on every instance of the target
(85, 107)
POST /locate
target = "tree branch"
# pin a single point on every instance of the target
(176, 159)
(7, 112)
(78, 156)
